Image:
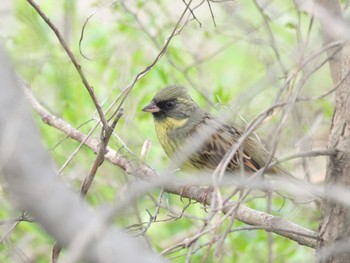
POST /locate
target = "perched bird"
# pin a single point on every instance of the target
(181, 123)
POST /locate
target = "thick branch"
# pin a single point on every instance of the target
(335, 217)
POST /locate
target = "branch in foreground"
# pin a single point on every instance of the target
(34, 187)
(247, 215)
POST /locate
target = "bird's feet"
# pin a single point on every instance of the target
(205, 195)
(185, 192)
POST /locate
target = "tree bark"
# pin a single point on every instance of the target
(335, 221)
(334, 245)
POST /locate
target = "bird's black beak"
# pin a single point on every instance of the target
(152, 107)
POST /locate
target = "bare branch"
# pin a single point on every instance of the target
(74, 61)
(105, 136)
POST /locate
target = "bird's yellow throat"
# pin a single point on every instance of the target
(163, 127)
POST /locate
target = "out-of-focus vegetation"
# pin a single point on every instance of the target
(228, 62)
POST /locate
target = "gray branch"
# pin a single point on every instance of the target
(34, 187)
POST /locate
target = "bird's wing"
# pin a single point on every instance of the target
(214, 148)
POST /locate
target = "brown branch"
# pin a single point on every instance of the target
(211, 13)
(14, 221)
(335, 217)
(74, 61)
(192, 13)
(56, 250)
(100, 157)
(105, 136)
(247, 215)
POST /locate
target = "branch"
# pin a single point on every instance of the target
(105, 136)
(34, 187)
(74, 61)
(247, 215)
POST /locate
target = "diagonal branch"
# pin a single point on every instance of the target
(105, 136)
(74, 61)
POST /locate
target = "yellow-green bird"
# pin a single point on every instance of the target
(180, 122)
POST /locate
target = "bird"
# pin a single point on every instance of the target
(180, 123)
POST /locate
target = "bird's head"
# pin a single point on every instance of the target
(171, 102)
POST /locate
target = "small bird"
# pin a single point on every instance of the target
(181, 123)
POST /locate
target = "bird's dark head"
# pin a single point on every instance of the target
(172, 101)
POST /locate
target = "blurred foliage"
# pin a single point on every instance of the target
(228, 64)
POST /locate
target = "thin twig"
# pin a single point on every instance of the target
(24, 217)
(192, 13)
(152, 218)
(155, 61)
(171, 61)
(211, 12)
(85, 24)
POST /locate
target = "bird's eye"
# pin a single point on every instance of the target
(170, 104)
